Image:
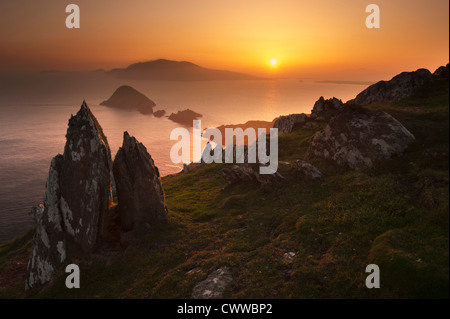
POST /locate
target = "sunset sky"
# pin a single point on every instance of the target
(322, 38)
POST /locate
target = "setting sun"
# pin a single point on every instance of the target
(273, 62)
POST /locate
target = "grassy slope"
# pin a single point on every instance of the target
(394, 215)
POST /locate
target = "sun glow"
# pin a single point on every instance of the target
(273, 62)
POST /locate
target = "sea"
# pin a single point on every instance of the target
(32, 131)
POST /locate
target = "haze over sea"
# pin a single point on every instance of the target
(33, 127)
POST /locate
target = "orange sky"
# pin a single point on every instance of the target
(321, 38)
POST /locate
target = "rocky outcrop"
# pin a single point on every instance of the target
(85, 179)
(185, 117)
(127, 98)
(214, 285)
(397, 88)
(306, 170)
(322, 107)
(139, 190)
(249, 173)
(357, 137)
(49, 244)
(441, 72)
(236, 174)
(159, 113)
(285, 124)
(77, 198)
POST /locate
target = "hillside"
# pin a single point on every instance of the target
(300, 239)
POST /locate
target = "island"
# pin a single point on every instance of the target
(128, 98)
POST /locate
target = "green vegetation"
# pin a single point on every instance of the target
(394, 215)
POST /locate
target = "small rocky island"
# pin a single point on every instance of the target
(159, 113)
(185, 117)
(127, 98)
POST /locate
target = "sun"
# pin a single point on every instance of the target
(273, 62)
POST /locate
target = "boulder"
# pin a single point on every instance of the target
(306, 170)
(238, 173)
(76, 202)
(397, 88)
(139, 190)
(214, 285)
(322, 107)
(285, 124)
(357, 137)
(249, 173)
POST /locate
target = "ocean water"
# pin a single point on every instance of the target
(33, 132)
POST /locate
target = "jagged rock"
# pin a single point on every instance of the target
(85, 179)
(285, 124)
(249, 173)
(322, 106)
(127, 98)
(397, 88)
(357, 137)
(442, 72)
(77, 198)
(307, 170)
(214, 285)
(139, 190)
(49, 245)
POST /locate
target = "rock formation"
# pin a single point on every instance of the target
(85, 179)
(306, 170)
(397, 88)
(249, 173)
(285, 124)
(139, 190)
(322, 107)
(77, 198)
(159, 113)
(185, 117)
(49, 244)
(441, 72)
(127, 98)
(357, 137)
(214, 286)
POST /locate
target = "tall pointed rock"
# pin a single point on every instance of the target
(85, 179)
(139, 190)
(77, 198)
